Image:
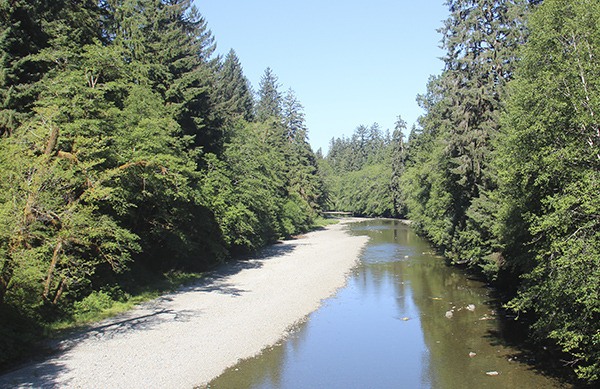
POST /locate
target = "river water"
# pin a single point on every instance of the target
(404, 320)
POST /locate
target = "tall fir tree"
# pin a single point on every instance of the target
(269, 98)
(172, 47)
(304, 183)
(398, 159)
(234, 89)
(293, 118)
(464, 107)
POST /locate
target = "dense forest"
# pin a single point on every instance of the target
(130, 150)
(357, 172)
(502, 172)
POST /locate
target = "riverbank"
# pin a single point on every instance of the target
(185, 339)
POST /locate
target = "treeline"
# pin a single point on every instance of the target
(502, 172)
(360, 173)
(129, 149)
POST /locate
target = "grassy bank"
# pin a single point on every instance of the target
(22, 339)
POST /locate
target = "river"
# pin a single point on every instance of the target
(404, 320)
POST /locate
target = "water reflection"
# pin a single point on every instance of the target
(404, 319)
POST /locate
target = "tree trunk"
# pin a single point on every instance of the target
(60, 290)
(50, 275)
(52, 141)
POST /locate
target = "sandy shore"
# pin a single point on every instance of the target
(187, 338)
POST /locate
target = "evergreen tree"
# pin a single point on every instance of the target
(293, 118)
(269, 99)
(481, 40)
(26, 28)
(399, 156)
(171, 46)
(304, 183)
(463, 110)
(21, 34)
(359, 144)
(234, 90)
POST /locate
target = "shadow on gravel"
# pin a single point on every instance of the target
(45, 372)
(215, 281)
(42, 375)
(151, 314)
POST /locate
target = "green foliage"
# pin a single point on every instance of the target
(358, 173)
(234, 90)
(504, 176)
(295, 218)
(549, 170)
(91, 305)
(26, 28)
(269, 98)
(366, 191)
(125, 154)
(321, 221)
(256, 191)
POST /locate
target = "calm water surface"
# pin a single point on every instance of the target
(404, 320)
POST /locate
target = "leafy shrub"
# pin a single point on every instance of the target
(91, 305)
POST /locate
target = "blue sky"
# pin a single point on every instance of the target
(350, 62)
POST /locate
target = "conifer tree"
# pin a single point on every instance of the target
(171, 46)
(303, 180)
(234, 90)
(21, 34)
(398, 157)
(464, 106)
(26, 28)
(293, 118)
(269, 98)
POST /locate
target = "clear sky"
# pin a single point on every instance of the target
(350, 62)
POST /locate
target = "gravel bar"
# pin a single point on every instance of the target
(187, 338)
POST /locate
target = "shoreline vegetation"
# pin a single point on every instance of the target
(232, 313)
(132, 154)
(44, 343)
(130, 150)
